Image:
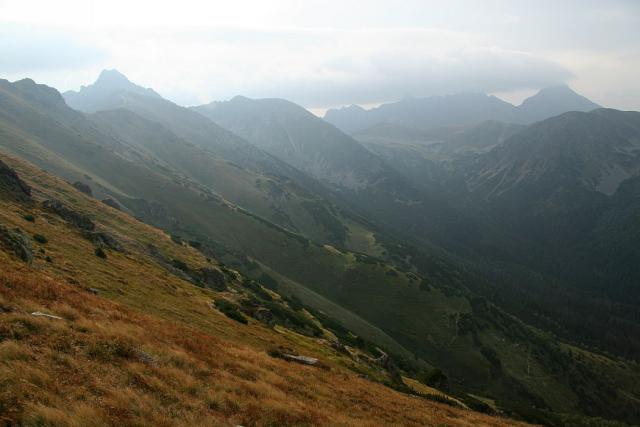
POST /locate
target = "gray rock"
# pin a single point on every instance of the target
(103, 239)
(146, 358)
(83, 188)
(17, 242)
(305, 360)
(77, 219)
(50, 316)
(213, 278)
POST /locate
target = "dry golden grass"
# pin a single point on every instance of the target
(149, 350)
(105, 364)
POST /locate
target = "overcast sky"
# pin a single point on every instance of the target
(329, 53)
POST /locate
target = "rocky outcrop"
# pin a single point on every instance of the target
(11, 186)
(85, 224)
(83, 188)
(102, 239)
(264, 315)
(75, 218)
(213, 278)
(16, 242)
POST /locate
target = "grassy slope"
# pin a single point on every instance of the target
(148, 349)
(272, 196)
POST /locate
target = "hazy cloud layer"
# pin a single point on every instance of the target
(326, 53)
(26, 49)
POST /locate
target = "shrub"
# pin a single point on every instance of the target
(48, 259)
(29, 218)
(101, 253)
(434, 378)
(180, 265)
(425, 285)
(40, 238)
(230, 310)
(257, 289)
(293, 319)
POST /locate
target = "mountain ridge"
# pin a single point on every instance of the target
(461, 110)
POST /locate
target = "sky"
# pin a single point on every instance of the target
(329, 53)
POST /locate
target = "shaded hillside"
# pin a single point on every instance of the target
(366, 183)
(563, 193)
(118, 92)
(297, 205)
(306, 142)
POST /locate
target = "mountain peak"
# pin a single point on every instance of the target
(102, 93)
(112, 77)
(38, 92)
(560, 94)
(554, 100)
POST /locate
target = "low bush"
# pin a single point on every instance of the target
(40, 238)
(100, 253)
(230, 310)
(180, 265)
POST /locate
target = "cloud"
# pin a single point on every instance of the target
(24, 49)
(324, 67)
(323, 53)
(412, 67)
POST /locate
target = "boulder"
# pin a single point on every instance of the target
(83, 188)
(50, 316)
(100, 238)
(305, 360)
(17, 242)
(213, 278)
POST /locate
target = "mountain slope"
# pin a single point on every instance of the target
(559, 175)
(563, 194)
(294, 204)
(81, 343)
(119, 92)
(380, 193)
(591, 151)
(200, 150)
(296, 136)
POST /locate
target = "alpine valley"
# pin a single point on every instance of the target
(453, 260)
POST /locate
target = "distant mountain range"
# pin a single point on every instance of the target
(460, 110)
(299, 138)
